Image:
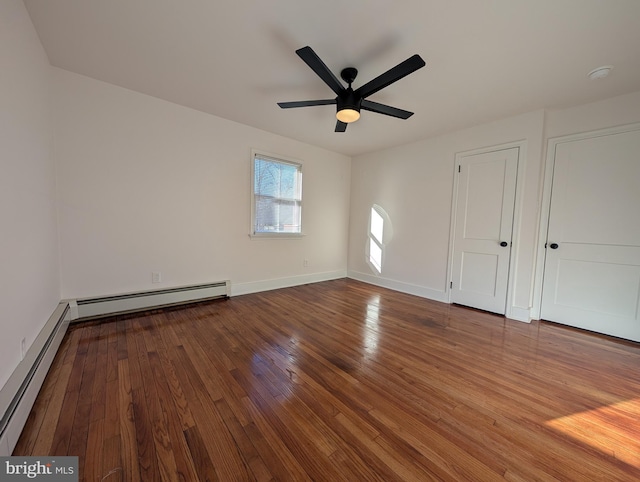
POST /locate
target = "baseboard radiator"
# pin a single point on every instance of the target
(19, 393)
(87, 308)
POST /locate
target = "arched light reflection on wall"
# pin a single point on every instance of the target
(379, 235)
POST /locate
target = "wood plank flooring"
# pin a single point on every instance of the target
(338, 381)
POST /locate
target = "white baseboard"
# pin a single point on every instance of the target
(519, 314)
(277, 283)
(515, 313)
(19, 393)
(411, 289)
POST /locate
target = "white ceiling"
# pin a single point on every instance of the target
(486, 59)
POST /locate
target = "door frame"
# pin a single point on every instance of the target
(545, 202)
(510, 310)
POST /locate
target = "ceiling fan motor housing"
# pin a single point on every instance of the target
(348, 100)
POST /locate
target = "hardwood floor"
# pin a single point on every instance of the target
(338, 381)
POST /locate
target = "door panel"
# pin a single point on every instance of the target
(478, 273)
(483, 181)
(592, 278)
(618, 294)
(484, 219)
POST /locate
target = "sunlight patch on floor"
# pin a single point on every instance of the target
(612, 429)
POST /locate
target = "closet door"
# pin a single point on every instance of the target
(486, 189)
(592, 262)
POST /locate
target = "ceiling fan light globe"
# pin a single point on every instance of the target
(348, 115)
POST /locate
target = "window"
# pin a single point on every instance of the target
(276, 196)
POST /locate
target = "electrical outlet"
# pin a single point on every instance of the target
(156, 277)
(23, 348)
(305, 263)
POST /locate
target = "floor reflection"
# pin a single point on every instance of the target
(370, 329)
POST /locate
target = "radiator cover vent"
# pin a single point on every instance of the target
(144, 300)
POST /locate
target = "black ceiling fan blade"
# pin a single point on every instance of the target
(341, 126)
(401, 70)
(385, 109)
(306, 103)
(318, 66)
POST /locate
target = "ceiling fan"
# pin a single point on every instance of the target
(349, 101)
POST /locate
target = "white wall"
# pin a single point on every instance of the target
(414, 184)
(612, 112)
(29, 275)
(146, 185)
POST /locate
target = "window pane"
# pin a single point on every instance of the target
(276, 179)
(277, 197)
(377, 225)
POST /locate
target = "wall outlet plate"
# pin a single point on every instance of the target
(156, 277)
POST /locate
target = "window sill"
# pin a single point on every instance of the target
(276, 235)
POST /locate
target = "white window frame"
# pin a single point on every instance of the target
(276, 158)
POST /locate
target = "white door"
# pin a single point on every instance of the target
(592, 265)
(483, 227)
